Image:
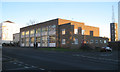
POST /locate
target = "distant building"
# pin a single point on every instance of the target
(8, 28)
(0, 35)
(114, 31)
(16, 38)
(61, 33)
(119, 21)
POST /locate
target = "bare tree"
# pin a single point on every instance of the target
(32, 22)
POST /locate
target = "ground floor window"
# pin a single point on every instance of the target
(91, 41)
(96, 41)
(76, 41)
(63, 41)
(27, 41)
(105, 41)
(44, 41)
(52, 41)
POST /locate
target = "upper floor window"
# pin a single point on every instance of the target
(63, 41)
(38, 30)
(23, 33)
(75, 31)
(27, 32)
(63, 31)
(32, 31)
(83, 32)
(91, 33)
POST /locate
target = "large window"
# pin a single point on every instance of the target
(44, 31)
(63, 41)
(38, 32)
(22, 40)
(23, 33)
(27, 32)
(27, 41)
(52, 30)
(38, 39)
(63, 31)
(44, 41)
(32, 39)
(75, 31)
(32, 31)
(52, 41)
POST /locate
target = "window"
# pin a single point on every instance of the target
(27, 41)
(105, 41)
(52, 29)
(38, 39)
(52, 39)
(32, 39)
(100, 41)
(96, 41)
(32, 32)
(44, 41)
(75, 31)
(91, 33)
(38, 30)
(23, 33)
(44, 31)
(27, 32)
(23, 40)
(63, 31)
(63, 41)
(91, 41)
(83, 32)
(76, 41)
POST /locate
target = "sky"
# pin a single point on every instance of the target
(98, 14)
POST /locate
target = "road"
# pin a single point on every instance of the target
(28, 58)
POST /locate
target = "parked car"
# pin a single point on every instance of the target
(106, 49)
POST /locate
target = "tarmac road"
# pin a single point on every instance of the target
(29, 58)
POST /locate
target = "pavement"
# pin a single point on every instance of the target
(35, 59)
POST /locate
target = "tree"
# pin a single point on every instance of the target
(32, 22)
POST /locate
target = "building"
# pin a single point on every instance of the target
(114, 31)
(16, 38)
(8, 28)
(61, 33)
(119, 20)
